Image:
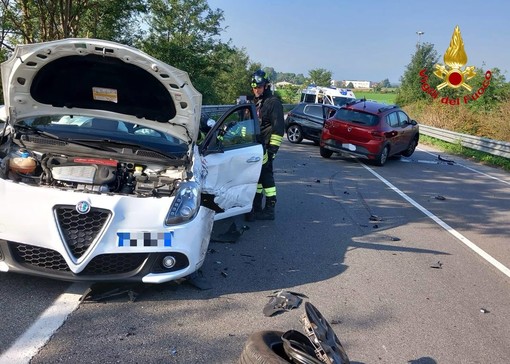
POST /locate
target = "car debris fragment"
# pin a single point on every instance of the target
(282, 301)
(232, 234)
(437, 265)
(98, 292)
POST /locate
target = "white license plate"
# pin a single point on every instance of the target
(349, 146)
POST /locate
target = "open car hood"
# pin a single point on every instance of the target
(100, 78)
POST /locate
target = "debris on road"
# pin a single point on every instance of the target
(103, 291)
(375, 218)
(231, 235)
(438, 265)
(449, 161)
(282, 301)
(197, 280)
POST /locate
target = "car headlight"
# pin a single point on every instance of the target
(185, 205)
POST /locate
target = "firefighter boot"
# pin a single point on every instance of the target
(256, 208)
(268, 212)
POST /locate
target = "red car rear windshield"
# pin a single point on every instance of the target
(357, 117)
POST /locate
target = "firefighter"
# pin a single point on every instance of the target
(270, 115)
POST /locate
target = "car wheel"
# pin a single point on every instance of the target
(381, 159)
(295, 134)
(326, 153)
(410, 149)
(264, 347)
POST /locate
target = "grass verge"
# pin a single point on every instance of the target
(475, 155)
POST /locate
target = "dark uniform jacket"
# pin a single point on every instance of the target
(270, 112)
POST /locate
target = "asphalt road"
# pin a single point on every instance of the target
(406, 261)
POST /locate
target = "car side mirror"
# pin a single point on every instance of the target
(413, 122)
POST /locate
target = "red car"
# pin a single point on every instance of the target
(370, 130)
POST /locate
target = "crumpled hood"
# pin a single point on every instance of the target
(100, 78)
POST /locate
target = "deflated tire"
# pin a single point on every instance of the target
(264, 347)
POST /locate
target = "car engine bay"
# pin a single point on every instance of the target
(90, 173)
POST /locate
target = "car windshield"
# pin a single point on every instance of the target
(94, 129)
(341, 101)
(357, 117)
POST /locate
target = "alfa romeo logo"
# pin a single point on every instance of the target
(83, 207)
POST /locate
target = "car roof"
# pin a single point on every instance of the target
(371, 107)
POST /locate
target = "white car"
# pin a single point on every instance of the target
(124, 193)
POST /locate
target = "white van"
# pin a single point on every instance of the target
(327, 95)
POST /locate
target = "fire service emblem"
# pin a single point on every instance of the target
(455, 58)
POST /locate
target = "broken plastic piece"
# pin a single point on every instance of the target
(438, 265)
(197, 280)
(299, 348)
(328, 347)
(103, 291)
(374, 218)
(282, 301)
(231, 235)
(449, 161)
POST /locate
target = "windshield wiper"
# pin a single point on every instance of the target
(134, 146)
(65, 140)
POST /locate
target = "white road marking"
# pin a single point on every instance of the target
(407, 160)
(37, 335)
(448, 228)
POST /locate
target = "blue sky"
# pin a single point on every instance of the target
(364, 40)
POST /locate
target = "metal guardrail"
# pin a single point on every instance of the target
(215, 109)
(491, 146)
(486, 145)
(219, 109)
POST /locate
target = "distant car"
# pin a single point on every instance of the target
(305, 122)
(370, 130)
(101, 175)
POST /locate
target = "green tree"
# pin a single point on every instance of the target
(116, 20)
(185, 34)
(32, 21)
(289, 94)
(271, 74)
(320, 77)
(424, 59)
(385, 83)
(490, 89)
(232, 80)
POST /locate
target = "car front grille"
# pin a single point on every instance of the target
(80, 230)
(114, 263)
(38, 258)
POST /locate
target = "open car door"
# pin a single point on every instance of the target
(231, 156)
